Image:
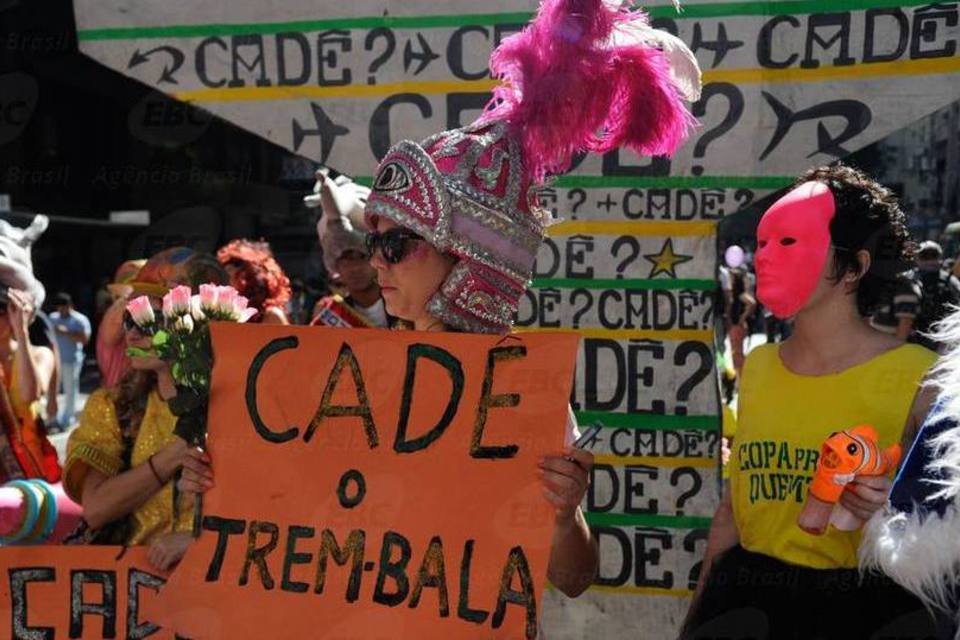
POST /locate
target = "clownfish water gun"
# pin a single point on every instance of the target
(845, 456)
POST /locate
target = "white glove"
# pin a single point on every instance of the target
(341, 199)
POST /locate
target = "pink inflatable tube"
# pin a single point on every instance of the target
(35, 512)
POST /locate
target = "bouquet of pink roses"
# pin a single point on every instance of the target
(181, 337)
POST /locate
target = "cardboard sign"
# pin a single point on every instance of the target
(88, 592)
(374, 484)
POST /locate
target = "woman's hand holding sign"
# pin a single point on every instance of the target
(574, 554)
(167, 550)
(197, 476)
(565, 481)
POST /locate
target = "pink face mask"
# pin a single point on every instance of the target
(793, 242)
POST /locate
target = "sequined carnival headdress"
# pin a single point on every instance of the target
(585, 75)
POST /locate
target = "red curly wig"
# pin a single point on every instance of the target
(256, 274)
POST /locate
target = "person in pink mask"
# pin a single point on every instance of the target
(827, 253)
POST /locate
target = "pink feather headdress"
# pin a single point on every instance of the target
(584, 75)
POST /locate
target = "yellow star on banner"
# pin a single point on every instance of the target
(666, 261)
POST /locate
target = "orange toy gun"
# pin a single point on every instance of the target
(844, 456)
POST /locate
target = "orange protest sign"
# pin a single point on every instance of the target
(87, 592)
(375, 484)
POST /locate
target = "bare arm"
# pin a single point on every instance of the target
(32, 366)
(53, 385)
(574, 553)
(574, 556)
(922, 403)
(723, 536)
(111, 326)
(728, 306)
(748, 310)
(108, 498)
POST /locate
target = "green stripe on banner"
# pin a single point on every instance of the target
(267, 28)
(649, 421)
(650, 285)
(675, 182)
(643, 520)
(662, 182)
(788, 7)
(689, 11)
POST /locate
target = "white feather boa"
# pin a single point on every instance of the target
(921, 552)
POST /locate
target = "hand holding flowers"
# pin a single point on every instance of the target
(181, 337)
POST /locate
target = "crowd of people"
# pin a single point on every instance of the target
(115, 484)
(350, 297)
(445, 241)
(398, 270)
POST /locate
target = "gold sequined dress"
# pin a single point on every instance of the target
(97, 444)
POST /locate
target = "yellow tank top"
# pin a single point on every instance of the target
(783, 419)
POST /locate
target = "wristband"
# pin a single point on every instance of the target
(154, 469)
(50, 509)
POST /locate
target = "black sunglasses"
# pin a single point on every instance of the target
(392, 243)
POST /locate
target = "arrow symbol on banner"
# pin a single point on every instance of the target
(424, 57)
(168, 70)
(327, 129)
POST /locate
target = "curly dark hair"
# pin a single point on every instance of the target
(259, 277)
(868, 217)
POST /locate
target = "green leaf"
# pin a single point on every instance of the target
(136, 352)
(160, 338)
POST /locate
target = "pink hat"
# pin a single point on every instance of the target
(583, 76)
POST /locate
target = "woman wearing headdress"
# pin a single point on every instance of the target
(255, 273)
(122, 457)
(455, 220)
